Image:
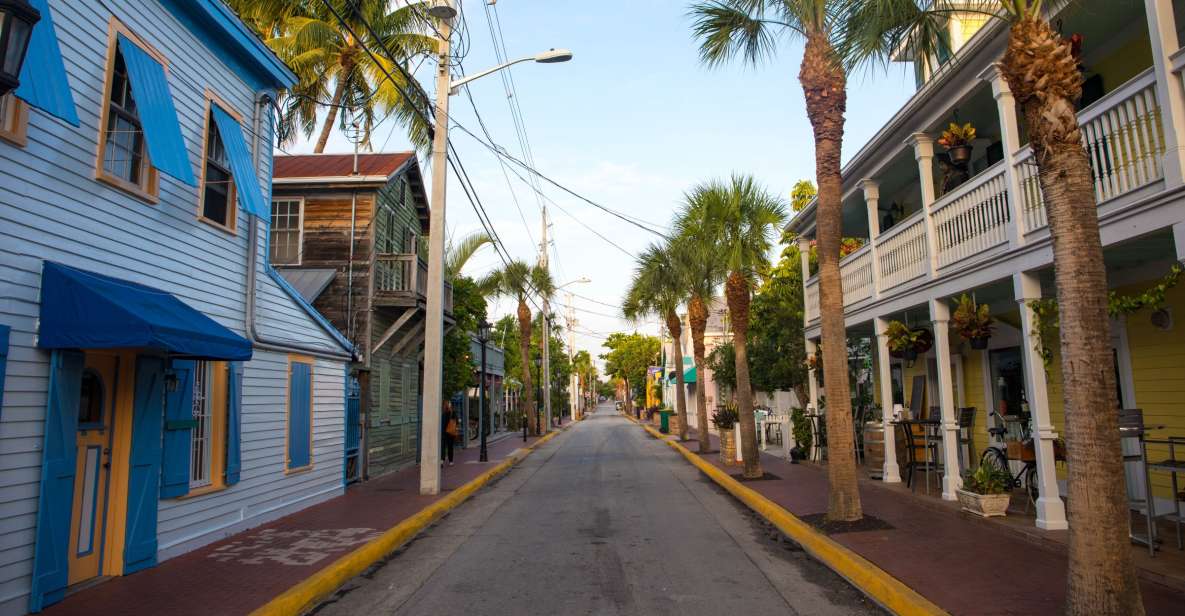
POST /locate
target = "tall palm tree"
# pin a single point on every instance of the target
(744, 218)
(694, 251)
(659, 288)
(749, 29)
(336, 71)
(1040, 69)
(517, 279)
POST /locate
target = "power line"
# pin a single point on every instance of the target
(595, 301)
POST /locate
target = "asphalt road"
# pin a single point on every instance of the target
(601, 520)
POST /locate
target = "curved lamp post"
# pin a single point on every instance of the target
(483, 336)
(446, 12)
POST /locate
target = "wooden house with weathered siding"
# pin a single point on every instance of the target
(347, 234)
(163, 386)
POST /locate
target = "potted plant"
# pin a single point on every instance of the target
(973, 322)
(801, 427)
(957, 141)
(985, 492)
(904, 341)
(725, 419)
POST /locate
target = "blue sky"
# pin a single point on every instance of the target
(632, 122)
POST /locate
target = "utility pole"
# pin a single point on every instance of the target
(545, 373)
(573, 378)
(434, 319)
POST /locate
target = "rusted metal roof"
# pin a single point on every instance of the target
(338, 165)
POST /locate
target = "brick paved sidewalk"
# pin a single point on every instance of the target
(963, 565)
(240, 573)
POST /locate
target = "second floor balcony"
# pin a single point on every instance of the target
(928, 219)
(402, 280)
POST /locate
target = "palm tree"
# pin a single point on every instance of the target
(693, 251)
(749, 29)
(744, 219)
(335, 69)
(1040, 69)
(659, 288)
(458, 253)
(517, 280)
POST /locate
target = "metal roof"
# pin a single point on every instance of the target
(310, 283)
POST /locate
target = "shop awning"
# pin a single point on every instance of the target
(689, 375)
(85, 310)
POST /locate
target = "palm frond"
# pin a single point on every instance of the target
(458, 254)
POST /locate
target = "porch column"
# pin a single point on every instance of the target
(812, 383)
(1162, 34)
(940, 320)
(923, 152)
(872, 195)
(1010, 138)
(884, 376)
(1051, 512)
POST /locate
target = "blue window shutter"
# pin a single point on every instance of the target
(246, 179)
(158, 116)
(234, 419)
(139, 551)
(174, 476)
(299, 414)
(3, 361)
(43, 76)
(55, 502)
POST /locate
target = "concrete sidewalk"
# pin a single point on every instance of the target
(958, 563)
(242, 573)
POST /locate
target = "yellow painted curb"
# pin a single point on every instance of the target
(317, 587)
(884, 589)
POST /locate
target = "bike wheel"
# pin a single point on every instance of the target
(1031, 484)
(995, 458)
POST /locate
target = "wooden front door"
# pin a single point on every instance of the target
(95, 417)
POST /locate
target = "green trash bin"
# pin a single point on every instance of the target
(664, 425)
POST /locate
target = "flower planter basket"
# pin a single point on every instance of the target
(960, 153)
(984, 505)
(728, 447)
(979, 344)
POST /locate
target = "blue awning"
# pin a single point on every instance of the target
(158, 116)
(43, 76)
(85, 310)
(246, 182)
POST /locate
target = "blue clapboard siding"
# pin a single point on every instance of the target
(52, 208)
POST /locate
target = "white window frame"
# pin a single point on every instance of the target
(299, 229)
(201, 439)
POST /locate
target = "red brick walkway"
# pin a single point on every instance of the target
(963, 565)
(240, 573)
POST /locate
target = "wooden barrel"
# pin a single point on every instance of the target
(874, 447)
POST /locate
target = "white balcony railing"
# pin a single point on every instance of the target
(902, 251)
(1124, 137)
(1123, 133)
(973, 217)
(811, 299)
(855, 271)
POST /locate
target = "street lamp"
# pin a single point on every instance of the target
(445, 11)
(551, 56)
(483, 336)
(17, 18)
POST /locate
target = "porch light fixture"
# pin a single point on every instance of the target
(17, 18)
(442, 9)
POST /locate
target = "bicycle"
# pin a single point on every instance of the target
(997, 456)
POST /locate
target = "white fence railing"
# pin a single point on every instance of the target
(856, 273)
(811, 300)
(1124, 137)
(902, 251)
(973, 217)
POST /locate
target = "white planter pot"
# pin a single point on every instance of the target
(984, 505)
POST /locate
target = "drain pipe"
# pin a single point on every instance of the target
(258, 340)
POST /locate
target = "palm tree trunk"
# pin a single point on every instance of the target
(737, 291)
(524, 347)
(347, 65)
(697, 316)
(1102, 578)
(676, 330)
(824, 86)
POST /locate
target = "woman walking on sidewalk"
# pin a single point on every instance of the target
(448, 433)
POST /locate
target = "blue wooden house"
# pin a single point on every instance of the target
(162, 386)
